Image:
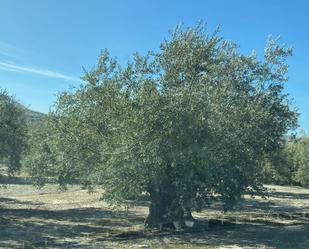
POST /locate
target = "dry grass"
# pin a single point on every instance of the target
(48, 218)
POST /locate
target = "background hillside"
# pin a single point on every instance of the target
(34, 115)
(31, 115)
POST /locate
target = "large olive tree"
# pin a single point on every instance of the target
(184, 125)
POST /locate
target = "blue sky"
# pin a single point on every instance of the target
(45, 44)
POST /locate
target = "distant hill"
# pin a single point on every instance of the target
(32, 116)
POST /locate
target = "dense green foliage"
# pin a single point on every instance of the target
(184, 125)
(12, 131)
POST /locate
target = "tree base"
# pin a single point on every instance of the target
(164, 224)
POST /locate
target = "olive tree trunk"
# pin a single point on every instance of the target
(164, 208)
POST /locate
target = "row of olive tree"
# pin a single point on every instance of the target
(290, 164)
(184, 125)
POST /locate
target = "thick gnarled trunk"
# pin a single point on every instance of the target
(164, 209)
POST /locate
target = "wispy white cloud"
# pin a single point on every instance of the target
(12, 67)
(8, 50)
(8, 69)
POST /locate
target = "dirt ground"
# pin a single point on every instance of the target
(49, 218)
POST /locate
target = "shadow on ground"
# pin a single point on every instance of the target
(5, 179)
(287, 195)
(72, 228)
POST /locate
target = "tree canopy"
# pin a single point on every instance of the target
(184, 125)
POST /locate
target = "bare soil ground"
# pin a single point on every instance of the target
(48, 218)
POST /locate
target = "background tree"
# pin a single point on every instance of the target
(299, 157)
(12, 131)
(185, 125)
(280, 168)
(40, 154)
(289, 165)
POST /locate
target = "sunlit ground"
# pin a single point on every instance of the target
(47, 218)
